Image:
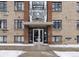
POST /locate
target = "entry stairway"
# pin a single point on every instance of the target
(39, 50)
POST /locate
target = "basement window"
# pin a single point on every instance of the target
(3, 39)
(77, 25)
(18, 39)
(57, 39)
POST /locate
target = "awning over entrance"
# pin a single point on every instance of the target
(37, 23)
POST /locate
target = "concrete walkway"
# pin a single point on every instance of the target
(39, 51)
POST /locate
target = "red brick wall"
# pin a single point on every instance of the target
(49, 12)
(26, 18)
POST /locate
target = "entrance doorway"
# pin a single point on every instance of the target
(38, 36)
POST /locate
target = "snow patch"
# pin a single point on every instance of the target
(10, 53)
(67, 53)
(65, 46)
(16, 44)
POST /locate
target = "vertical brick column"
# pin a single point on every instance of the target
(26, 19)
(49, 16)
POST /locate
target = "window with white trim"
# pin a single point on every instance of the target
(57, 24)
(57, 39)
(3, 6)
(19, 5)
(18, 24)
(3, 24)
(77, 6)
(18, 39)
(37, 5)
(39, 16)
(3, 39)
(56, 6)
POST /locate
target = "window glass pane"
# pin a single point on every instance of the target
(3, 6)
(19, 5)
(3, 24)
(39, 16)
(57, 6)
(56, 39)
(57, 24)
(19, 39)
(37, 5)
(5, 39)
(18, 24)
(1, 39)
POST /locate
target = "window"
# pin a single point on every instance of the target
(19, 5)
(3, 24)
(3, 6)
(37, 5)
(78, 39)
(3, 39)
(77, 6)
(39, 16)
(18, 24)
(57, 39)
(56, 6)
(77, 24)
(18, 39)
(57, 24)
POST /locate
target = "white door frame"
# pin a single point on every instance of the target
(39, 36)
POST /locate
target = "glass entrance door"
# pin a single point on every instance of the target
(38, 35)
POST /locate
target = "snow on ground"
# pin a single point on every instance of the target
(66, 46)
(16, 44)
(10, 53)
(67, 53)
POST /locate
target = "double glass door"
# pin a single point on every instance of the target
(38, 36)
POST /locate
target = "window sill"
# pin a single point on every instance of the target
(19, 10)
(3, 30)
(3, 11)
(19, 29)
(19, 42)
(56, 11)
(57, 29)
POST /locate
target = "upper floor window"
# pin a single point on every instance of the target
(3, 6)
(56, 6)
(3, 24)
(18, 39)
(77, 6)
(18, 24)
(57, 39)
(57, 24)
(19, 6)
(37, 5)
(3, 39)
(38, 16)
